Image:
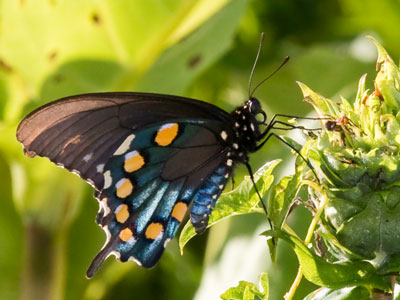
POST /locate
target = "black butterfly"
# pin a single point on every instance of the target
(148, 156)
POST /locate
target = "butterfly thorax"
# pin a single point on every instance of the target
(247, 127)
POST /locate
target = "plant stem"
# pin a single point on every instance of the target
(289, 295)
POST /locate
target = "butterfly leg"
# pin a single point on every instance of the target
(291, 147)
(291, 126)
(270, 125)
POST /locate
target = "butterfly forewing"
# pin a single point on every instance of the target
(82, 132)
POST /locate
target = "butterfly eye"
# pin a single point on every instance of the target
(255, 107)
(261, 117)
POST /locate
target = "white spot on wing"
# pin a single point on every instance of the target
(236, 146)
(104, 204)
(116, 254)
(119, 208)
(125, 145)
(100, 168)
(252, 126)
(120, 182)
(229, 162)
(107, 179)
(168, 125)
(224, 135)
(108, 236)
(90, 181)
(88, 157)
(166, 242)
(76, 172)
(131, 241)
(131, 258)
(131, 154)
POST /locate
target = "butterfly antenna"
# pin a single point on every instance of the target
(269, 76)
(255, 63)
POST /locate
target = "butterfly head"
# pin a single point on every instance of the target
(248, 119)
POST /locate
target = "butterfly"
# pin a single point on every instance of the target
(148, 157)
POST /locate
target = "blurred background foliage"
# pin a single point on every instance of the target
(196, 48)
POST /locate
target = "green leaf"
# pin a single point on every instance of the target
(336, 276)
(280, 201)
(248, 291)
(193, 55)
(388, 79)
(242, 200)
(347, 293)
(321, 104)
(281, 198)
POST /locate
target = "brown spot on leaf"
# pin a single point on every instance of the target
(5, 67)
(96, 18)
(52, 55)
(194, 61)
(58, 78)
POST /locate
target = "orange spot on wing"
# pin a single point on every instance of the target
(126, 234)
(124, 188)
(166, 134)
(179, 211)
(154, 230)
(133, 162)
(122, 213)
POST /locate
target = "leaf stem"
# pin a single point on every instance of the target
(289, 295)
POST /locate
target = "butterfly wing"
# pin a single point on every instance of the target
(82, 132)
(147, 155)
(149, 187)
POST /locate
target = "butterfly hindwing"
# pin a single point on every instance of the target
(146, 195)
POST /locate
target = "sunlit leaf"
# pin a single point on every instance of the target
(337, 275)
(248, 291)
(348, 293)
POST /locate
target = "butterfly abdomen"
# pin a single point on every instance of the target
(205, 198)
